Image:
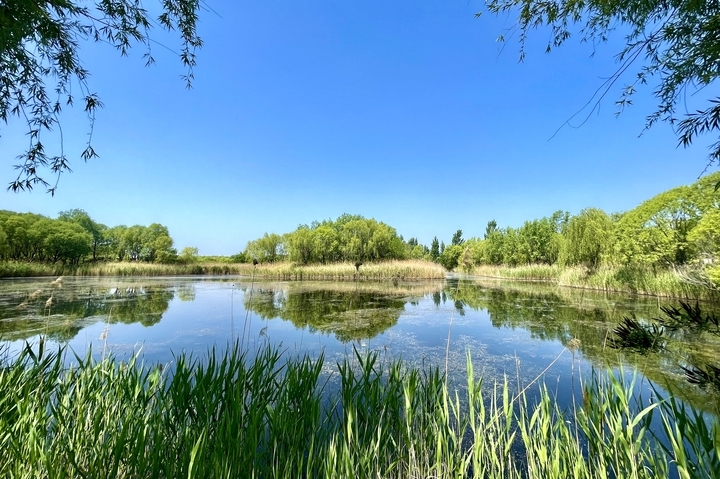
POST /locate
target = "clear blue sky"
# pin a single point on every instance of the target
(407, 112)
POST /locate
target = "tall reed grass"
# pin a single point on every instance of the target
(635, 280)
(400, 270)
(384, 270)
(233, 415)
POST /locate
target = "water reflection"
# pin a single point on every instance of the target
(351, 312)
(585, 321)
(62, 308)
(501, 324)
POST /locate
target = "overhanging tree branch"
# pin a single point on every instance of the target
(40, 55)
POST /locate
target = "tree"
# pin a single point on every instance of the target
(675, 42)
(83, 219)
(115, 238)
(132, 242)
(188, 254)
(41, 70)
(301, 244)
(457, 238)
(657, 231)
(65, 241)
(326, 243)
(157, 244)
(435, 249)
(4, 246)
(589, 237)
(267, 249)
(537, 242)
(355, 237)
(450, 256)
(490, 228)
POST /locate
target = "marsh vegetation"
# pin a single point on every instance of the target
(231, 414)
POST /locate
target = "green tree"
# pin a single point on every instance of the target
(657, 231)
(239, 258)
(511, 254)
(450, 256)
(493, 247)
(354, 240)
(188, 254)
(589, 238)
(435, 249)
(385, 242)
(20, 243)
(132, 242)
(537, 242)
(267, 249)
(327, 243)
(115, 242)
(40, 61)
(674, 43)
(457, 238)
(4, 246)
(301, 245)
(490, 228)
(705, 236)
(83, 219)
(65, 241)
(157, 244)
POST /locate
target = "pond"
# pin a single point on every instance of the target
(516, 330)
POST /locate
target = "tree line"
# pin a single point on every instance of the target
(74, 237)
(348, 238)
(677, 228)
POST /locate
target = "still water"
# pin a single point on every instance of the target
(518, 330)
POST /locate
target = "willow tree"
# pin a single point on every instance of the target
(589, 238)
(658, 230)
(41, 70)
(674, 44)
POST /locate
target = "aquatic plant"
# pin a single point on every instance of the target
(259, 413)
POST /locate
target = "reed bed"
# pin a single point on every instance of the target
(531, 272)
(18, 269)
(385, 270)
(286, 271)
(233, 414)
(645, 281)
(407, 288)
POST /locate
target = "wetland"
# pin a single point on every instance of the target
(508, 329)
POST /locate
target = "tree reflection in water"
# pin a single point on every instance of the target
(24, 312)
(351, 312)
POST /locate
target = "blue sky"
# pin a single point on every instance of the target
(407, 112)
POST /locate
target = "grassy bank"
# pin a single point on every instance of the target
(663, 283)
(401, 270)
(228, 416)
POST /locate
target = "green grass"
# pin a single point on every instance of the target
(233, 415)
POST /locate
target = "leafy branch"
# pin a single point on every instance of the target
(40, 63)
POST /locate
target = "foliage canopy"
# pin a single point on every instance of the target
(41, 70)
(675, 43)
